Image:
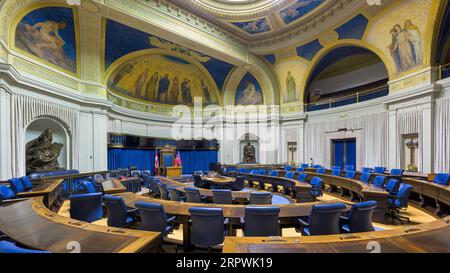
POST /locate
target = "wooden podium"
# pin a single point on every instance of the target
(174, 172)
(168, 167)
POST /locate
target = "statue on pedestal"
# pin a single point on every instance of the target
(42, 153)
(249, 153)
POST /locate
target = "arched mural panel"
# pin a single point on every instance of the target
(249, 91)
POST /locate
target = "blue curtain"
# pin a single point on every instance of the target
(350, 152)
(197, 160)
(339, 153)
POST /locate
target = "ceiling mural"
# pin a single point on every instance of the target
(254, 27)
(299, 9)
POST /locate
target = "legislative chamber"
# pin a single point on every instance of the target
(224, 127)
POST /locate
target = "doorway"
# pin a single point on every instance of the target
(344, 152)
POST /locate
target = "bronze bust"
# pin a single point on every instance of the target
(42, 153)
(249, 153)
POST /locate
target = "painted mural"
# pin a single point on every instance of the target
(249, 91)
(49, 34)
(406, 46)
(254, 27)
(291, 74)
(163, 79)
(299, 9)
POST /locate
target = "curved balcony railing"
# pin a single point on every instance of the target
(444, 71)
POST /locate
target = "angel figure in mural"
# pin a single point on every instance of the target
(152, 87)
(249, 95)
(47, 33)
(406, 46)
(290, 88)
(206, 96)
(416, 40)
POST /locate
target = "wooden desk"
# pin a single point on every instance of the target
(220, 181)
(113, 186)
(174, 172)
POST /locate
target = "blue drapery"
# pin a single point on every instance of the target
(194, 160)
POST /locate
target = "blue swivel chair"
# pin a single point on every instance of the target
(379, 170)
(321, 170)
(442, 179)
(323, 220)
(239, 184)
(198, 182)
(261, 221)
(288, 168)
(260, 198)
(254, 172)
(365, 177)
(317, 166)
(16, 185)
(135, 173)
(87, 186)
(164, 193)
(316, 187)
(26, 183)
(146, 180)
(289, 175)
(207, 226)
(350, 174)
(336, 167)
(10, 247)
(302, 177)
(366, 170)
(154, 218)
(399, 201)
(119, 215)
(359, 219)
(262, 172)
(349, 167)
(300, 170)
(193, 195)
(153, 186)
(336, 172)
(392, 186)
(174, 193)
(222, 197)
(397, 172)
(304, 165)
(379, 181)
(274, 173)
(6, 193)
(147, 172)
(86, 207)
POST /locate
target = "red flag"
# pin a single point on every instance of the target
(156, 160)
(178, 161)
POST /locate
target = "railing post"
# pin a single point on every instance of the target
(357, 96)
(331, 102)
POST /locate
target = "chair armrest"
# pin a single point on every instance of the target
(241, 220)
(170, 219)
(226, 221)
(302, 223)
(132, 210)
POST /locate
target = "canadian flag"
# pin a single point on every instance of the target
(156, 160)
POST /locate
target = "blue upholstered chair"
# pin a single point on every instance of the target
(261, 221)
(317, 166)
(349, 167)
(350, 174)
(399, 201)
(164, 193)
(442, 179)
(304, 165)
(366, 170)
(335, 167)
(6, 193)
(153, 186)
(119, 215)
(135, 173)
(239, 184)
(302, 177)
(16, 185)
(254, 172)
(274, 173)
(359, 219)
(379, 181)
(392, 186)
(154, 218)
(174, 193)
(222, 197)
(26, 183)
(147, 172)
(262, 172)
(323, 220)
(193, 195)
(316, 187)
(146, 180)
(398, 172)
(300, 170)
(336, 172)
(260, 198)
(10, 247)
(379, 170)
(207, 226)
(289, 175)
(365, 177)
(87, 186)
(86, 207)
(288, 168)
(321, 170)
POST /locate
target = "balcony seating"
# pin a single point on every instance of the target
(359, 219)
(289, 175)
(379, 170)
(261, 221)
(86, 207)
(302, 177)
(349, 167)
(365, 177)
(26, 183)
(119, 215)
(366, 170)
(379, 181)
(260, 198)
(193, 195)
(10, 247)
(174, 193)
(207, 226)
(154, 218)
(336, 172)
(442, 179)
(350, 174)
(323, 220)
(399, 201)
(397, 172)
(222, 197)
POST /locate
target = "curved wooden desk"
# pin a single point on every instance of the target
(220, 181)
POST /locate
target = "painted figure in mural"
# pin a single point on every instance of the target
(42, 154)
(416, 40)
(174, 91)
(48, 34)
(249, 153)
(186, 92)
(250, 96)
(290, 88)
(122, 73)
(140, 84)
(163, 88)
(151, 89)
(206, 96)
(406, 46)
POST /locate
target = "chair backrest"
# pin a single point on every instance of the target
(336, 168)
(6, 193)
(198, 172)
(88, 186)
(289, 175)
(316, 186)
(321, 170)
(324, 219)
(147, 172)
(222, 197)
(174, 193)
(261, 221)
(392, 185)
(336, 172)
(260, 198)
(317, 166)
(26, 183)
(403, 196)
(153, 216)
(350, 174)
(302, 177)
(153, 185)
(86, 207)
(274, 173)
(135, 173)
(192, 195)
(366, 170)
(442, 178)
(16, 185)
(254, 172)
(197, 180)
(262, 172)
(288, 168)
(98, 177)
(239, 184)
(360, 217)
(300, 170)
(349, 167)
(379, 170)
(164, 193)
(396, 172)
(365, 177)
(304, 165)
(207, 226)
(10, 247)
(117, 211)
(379, 181)
(243, 170)
(146, 180)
